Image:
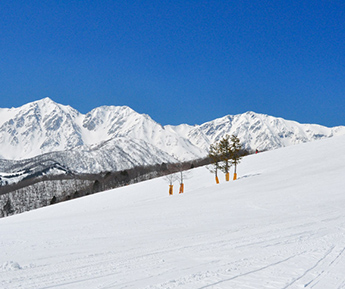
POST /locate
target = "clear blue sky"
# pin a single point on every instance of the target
(186, 61)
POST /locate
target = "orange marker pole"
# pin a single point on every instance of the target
(181, 188)
(227, 177)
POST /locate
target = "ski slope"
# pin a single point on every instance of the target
(280, 225)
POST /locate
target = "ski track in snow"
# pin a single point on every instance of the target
(280, 225)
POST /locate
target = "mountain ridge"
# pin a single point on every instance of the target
(117, 137)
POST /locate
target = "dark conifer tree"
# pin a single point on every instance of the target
(225, 153)
(215, 159)
(236, 153)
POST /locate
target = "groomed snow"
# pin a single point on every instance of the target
(280, 225)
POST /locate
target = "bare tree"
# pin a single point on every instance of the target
(171, 178)
(182, 175)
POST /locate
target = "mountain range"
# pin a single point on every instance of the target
(112, 138)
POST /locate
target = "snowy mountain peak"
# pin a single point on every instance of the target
(119, 137)
(46, 105)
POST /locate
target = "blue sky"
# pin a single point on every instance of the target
(178, 61)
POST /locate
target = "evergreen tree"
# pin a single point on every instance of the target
(215, 159)
(225, 154)
(236, 152)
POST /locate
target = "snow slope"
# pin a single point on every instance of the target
(280, 225)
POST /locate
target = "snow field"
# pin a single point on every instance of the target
(280, 225)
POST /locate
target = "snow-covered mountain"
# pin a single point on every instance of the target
(257, 131)
(44, 126)
(117, 137)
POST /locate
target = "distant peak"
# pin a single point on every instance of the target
(251, 113)
(112, 108)
(45, 100)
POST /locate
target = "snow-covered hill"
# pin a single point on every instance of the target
(115, 138)
(280, 225)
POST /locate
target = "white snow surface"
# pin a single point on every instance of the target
(280, 225)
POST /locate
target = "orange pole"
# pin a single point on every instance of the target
(181, 188)
(227, 177)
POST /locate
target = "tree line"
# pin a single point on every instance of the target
(46, 190)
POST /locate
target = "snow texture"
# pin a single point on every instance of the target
(280, 225)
